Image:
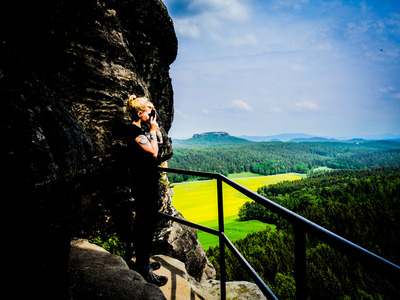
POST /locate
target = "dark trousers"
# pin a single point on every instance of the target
(145, 192)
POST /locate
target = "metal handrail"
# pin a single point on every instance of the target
(301, 226)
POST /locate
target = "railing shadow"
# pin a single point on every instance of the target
(175, 273)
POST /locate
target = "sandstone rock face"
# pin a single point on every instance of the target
(97, 274)
(235, 290)
(111, 50)
(66, 71)
(181, 285)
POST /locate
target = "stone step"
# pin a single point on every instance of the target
(181, 286)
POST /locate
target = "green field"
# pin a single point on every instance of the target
(234, 229)
(197, 201)
(244, 175)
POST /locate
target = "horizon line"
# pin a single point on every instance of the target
(383, 136)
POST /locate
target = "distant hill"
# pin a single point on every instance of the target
(216, 138)
(303, 137)
(210, 139)
(285, 137)
(356, 141)
(313, 139)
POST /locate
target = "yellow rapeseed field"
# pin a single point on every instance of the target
(197, 200)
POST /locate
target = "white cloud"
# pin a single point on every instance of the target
(181, 114)
(295, 4)
(240, 105)
(298, 68)
(187, 28)
(386, 90)
(389, 92)
(306, 105)
(248, 39)
(226, 9)
(210, 16)
(276, 109)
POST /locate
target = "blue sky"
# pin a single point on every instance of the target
(259, 67)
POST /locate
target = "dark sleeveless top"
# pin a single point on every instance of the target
(142, 164)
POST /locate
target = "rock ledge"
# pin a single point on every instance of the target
(97, 274)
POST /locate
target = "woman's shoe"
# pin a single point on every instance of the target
(155, 265)
(150, 277)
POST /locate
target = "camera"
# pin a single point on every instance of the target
(152, 114)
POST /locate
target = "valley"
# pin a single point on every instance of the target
(197, 202)
(349, 187)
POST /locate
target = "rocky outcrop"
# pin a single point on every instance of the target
(235, 290)
(182, 286)
(66, 70)
(219, 134)
(97, 274)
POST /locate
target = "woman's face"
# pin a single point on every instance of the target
(145, 114)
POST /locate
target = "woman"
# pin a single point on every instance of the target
(142, 157)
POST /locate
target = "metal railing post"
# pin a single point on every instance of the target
(221, 229)
(300, 263)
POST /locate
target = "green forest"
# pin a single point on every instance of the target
(362, 206)
(270, 158)
(359, 200)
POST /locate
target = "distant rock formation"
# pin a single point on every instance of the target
(210, 139)
(66, 71)
(215, 134)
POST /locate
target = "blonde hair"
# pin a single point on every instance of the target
(136, 104)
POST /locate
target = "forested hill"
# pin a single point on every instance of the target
(210, 139)
(268, 158)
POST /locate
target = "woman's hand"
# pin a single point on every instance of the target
(153, 124)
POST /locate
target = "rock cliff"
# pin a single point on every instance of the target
(66, 70)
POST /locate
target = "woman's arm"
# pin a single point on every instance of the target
(159, 137)
(148, 145)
